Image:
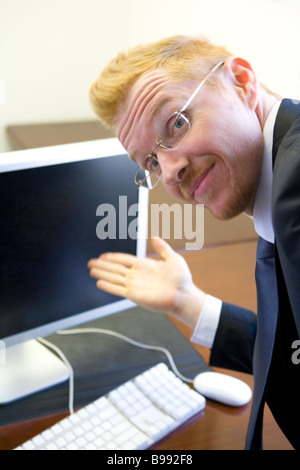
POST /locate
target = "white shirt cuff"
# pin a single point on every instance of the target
(205, 330)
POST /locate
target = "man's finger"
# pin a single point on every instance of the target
(120, 258)
(162, 248)
(109, 266)
(113, 289)
(111, 277)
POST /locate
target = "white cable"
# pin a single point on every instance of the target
(70, 370)
(106, 332)
(131, 341)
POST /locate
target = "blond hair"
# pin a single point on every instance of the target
(181, 57)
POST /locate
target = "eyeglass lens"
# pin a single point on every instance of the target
(173, 131)
(146, 179)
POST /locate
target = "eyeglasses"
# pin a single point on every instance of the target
(170, 137)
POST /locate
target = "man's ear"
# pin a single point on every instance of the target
(243, 78)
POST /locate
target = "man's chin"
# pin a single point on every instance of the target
(227, 212)
(223, 216)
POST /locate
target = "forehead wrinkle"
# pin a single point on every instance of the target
(159, 105)
(167, 99)
(137, 106)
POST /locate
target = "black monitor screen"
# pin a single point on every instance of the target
(48, 232)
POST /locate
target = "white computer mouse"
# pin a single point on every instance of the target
(222, 388)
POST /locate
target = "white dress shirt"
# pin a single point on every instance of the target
(205, 330)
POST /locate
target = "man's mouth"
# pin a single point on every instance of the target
(198, 187)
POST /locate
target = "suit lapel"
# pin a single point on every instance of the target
(288, 112)
(286, 195)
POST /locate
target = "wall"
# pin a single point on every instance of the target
(51, 50)
(266, 32)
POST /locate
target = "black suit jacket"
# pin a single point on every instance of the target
(262, 344)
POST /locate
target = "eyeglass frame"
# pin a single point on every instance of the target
(159, 144)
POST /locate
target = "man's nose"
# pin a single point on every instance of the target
(173, 166)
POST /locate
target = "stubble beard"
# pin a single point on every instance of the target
(242, 195)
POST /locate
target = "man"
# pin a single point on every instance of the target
(197, 118)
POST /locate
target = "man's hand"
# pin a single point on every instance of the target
(163, 285)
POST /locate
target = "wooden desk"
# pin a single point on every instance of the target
(225, 271)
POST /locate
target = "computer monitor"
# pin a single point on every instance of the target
(59, 207)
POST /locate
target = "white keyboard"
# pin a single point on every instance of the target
(133, 416)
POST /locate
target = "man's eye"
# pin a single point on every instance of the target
(179, 123)
(152, 165)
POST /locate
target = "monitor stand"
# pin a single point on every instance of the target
(29, 368)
